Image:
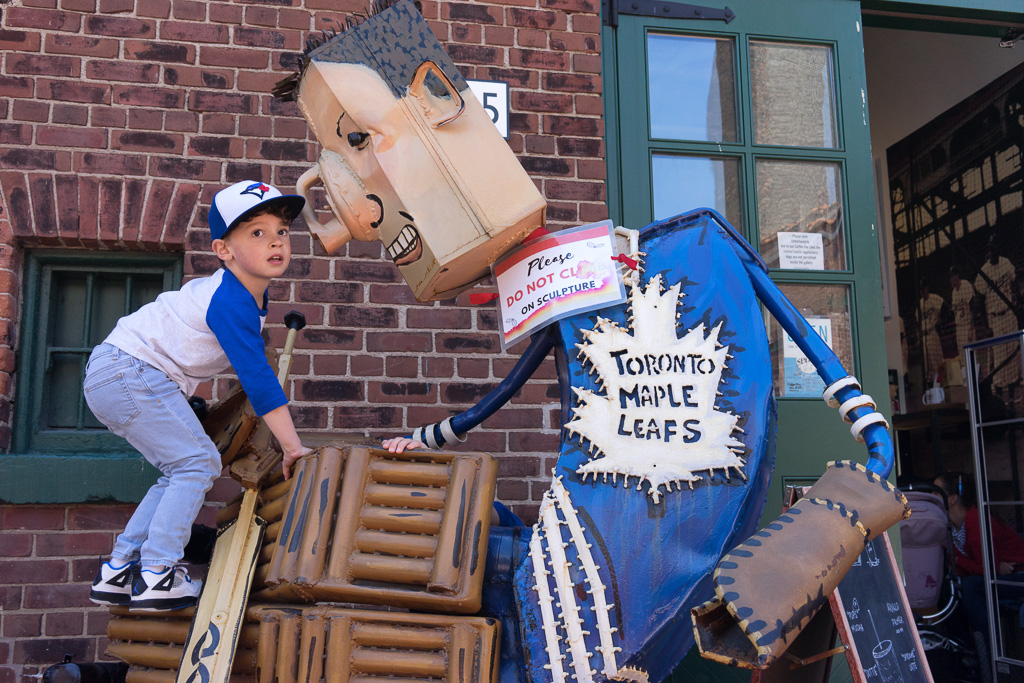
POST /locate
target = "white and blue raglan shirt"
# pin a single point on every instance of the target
(192, 334)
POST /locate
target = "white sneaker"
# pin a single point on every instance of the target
(113, 585)
(167, 590)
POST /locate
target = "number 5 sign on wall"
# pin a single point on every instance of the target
(493, 95)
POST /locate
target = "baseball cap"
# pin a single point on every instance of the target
(233, 204)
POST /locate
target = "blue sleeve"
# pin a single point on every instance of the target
(235, 321)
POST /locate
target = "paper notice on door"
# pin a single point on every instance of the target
(801, 251)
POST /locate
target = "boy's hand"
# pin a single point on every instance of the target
(291, 457)
(399, 444)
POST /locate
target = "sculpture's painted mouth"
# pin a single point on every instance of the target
(407, 247)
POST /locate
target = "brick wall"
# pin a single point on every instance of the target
(119, 120)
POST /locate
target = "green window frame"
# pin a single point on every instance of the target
(72, 299)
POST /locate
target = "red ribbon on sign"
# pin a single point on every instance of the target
(478, 299)
(622, 258)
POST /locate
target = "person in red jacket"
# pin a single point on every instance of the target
(1007, 549)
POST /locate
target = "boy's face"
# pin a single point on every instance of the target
(258, 247)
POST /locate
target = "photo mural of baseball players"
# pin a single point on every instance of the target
(955, 191)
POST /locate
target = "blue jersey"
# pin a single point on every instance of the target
(210, 324)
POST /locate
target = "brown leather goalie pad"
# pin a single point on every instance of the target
(769, 587)
(403, 529)
(340, 645)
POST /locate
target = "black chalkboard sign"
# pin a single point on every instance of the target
(874, 619)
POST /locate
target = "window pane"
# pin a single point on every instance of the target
(64, 392)
(800, 215)
(683, 183)
(827, 309)
(70, 293)
(692, 88)
(793, 95)
(107, 305)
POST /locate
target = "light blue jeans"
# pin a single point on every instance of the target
(141, 404)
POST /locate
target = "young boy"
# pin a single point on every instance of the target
(138, 379)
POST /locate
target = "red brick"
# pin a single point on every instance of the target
(362, 366)
(189, 11)
(88, 197)
(222, 102)
(225, 13)
(42, 65)
(586, 63)
(574, 125)
(542, 102)
(116, 6)
(134, 199)
(368, 417)
(87, 6)
(189, 32)
(34, 571)
(154, 9)
(438, 367)
(80, 543)
(23, 625)
(142, 141)
(499, 35)
(471, 13)
(572, 82)
(15, 134)
(474, 54)
(313, 338)
(408, 342)
(122, 71)
(15, 545)
(402, 366)
(111, 191)
(586, 23)
(571, 42)
(433, 318)
(42, 19)
(402, 392)
(108, 117)
(467, 343)
(60, 136)
(110, 164)
(243, 58)
(258, 37)
(540, 19)
(16, 86)
(10, 598)
(144, 120)
(592, 169)
(182, 208)
(46, 651)
(164, 98)
(474, 368)
(152, 51)
(19, 41)
(70, 114)
(124, 27)
(558, 189)
(573, 6)
(29, 516)
(528, 37)
(552, 166)
(467, 33)
(183, 121)
(64, 624)
(329, 390)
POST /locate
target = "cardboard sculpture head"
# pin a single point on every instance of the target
(409, 156)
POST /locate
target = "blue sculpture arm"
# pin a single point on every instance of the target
(842, 390)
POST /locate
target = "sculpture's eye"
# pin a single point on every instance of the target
(357, 139)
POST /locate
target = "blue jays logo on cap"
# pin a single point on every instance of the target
(257, 189)
(244, 199)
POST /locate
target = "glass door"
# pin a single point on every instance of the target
(764, 119)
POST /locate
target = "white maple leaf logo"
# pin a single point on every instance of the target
(657, 418)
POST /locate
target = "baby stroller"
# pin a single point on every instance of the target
(933, 587)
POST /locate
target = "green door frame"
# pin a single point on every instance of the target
(810, 434)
